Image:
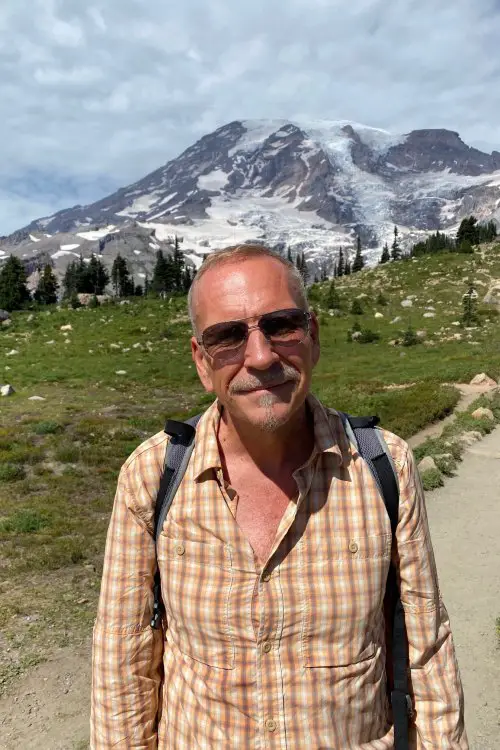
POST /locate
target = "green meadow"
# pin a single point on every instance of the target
(113, 378)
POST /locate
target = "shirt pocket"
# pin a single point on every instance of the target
(196, 586)
(343, 588)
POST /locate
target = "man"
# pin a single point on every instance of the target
(273, 557)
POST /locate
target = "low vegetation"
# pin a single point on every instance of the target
(112, 378)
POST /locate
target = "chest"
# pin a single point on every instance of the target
(260, 509)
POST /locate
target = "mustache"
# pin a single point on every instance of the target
(272, 377)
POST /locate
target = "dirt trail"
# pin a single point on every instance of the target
(469, 393)
(49, 708)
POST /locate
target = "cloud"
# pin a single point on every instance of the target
(96, 95)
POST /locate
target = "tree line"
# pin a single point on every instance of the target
(90, 276)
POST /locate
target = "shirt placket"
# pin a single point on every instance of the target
(270, 606)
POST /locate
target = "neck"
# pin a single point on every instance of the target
(289, 446)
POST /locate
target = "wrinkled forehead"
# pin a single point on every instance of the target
(242, 289)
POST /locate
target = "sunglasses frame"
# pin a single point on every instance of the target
(305, 313)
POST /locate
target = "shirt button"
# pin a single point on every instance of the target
(180, 549)
(266, 576)
(353, 547)
(266, 647)
(271, 725)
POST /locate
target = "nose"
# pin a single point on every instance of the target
(259, 354)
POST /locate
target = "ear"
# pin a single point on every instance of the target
(202, 367)
(314, 333)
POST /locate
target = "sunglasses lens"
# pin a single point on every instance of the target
(285, 326)
(224, 337)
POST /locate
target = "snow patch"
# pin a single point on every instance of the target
(69, 247)
(140, 205)
(62, 253)
(215, 180)
(137, 252)
(92, 236)
(34, 239)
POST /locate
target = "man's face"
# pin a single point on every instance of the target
(263, 384)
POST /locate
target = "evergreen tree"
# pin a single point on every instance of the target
(46, 291)
(468, 231)
(356, 307)
(160, 274)
(177, 269)
(332, 298)
(123, 285)
(358, 263)
(289, 255)
(396, 249)
(465, 246)
(347, 268)
(469, 305)
(97, 276)
(138, 291)
(14, 293)
(341, 263)
(302, 267)
(385, 257)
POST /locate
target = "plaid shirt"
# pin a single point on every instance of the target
(288, 655)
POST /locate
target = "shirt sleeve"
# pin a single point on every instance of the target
(435, 683)
(127, 652)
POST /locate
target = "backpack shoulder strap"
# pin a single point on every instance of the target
(372, 447)
(363, 433)
(177, 455)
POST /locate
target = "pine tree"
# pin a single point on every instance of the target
(396, 249)
(289, 255)
(341, 263)
(468, 231)
(177, 270)
(14, 293)
(469, 305)
(46, 291)
(356, 307)
(97, 276)
(347, 269)
(123, 285)
(385, 257)
(160, 274)
(358, 263)
(332, 298)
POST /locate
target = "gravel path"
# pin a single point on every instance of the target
(464, 517)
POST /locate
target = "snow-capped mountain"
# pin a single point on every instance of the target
(312, 185)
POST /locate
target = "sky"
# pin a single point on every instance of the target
(95, 95)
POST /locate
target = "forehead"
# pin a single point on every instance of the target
(243, 289)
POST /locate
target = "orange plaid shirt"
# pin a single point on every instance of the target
(288, 655)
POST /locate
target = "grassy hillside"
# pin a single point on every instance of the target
(112, 379)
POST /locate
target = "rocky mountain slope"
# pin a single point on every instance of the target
(312, 185)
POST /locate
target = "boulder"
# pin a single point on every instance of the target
(407, 303)
(483, 413)
(36, 398)
(67, 327)
(4, 315)
(429, 315)
(466, 439)
(378, 315)
(121, 372)
(397, 319)
(6, 390)
(426, 464)
(483, 379)
(6, 323)
(12, 353)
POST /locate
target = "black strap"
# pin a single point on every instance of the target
(179, 449)
(373, 450)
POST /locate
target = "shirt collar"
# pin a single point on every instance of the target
(329, 436)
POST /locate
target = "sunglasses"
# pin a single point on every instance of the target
(281, 328)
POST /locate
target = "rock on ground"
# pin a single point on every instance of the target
(483, 413)
(7, 390)
(427, 464)
(483, 379)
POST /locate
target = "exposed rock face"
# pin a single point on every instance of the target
(312, 185)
